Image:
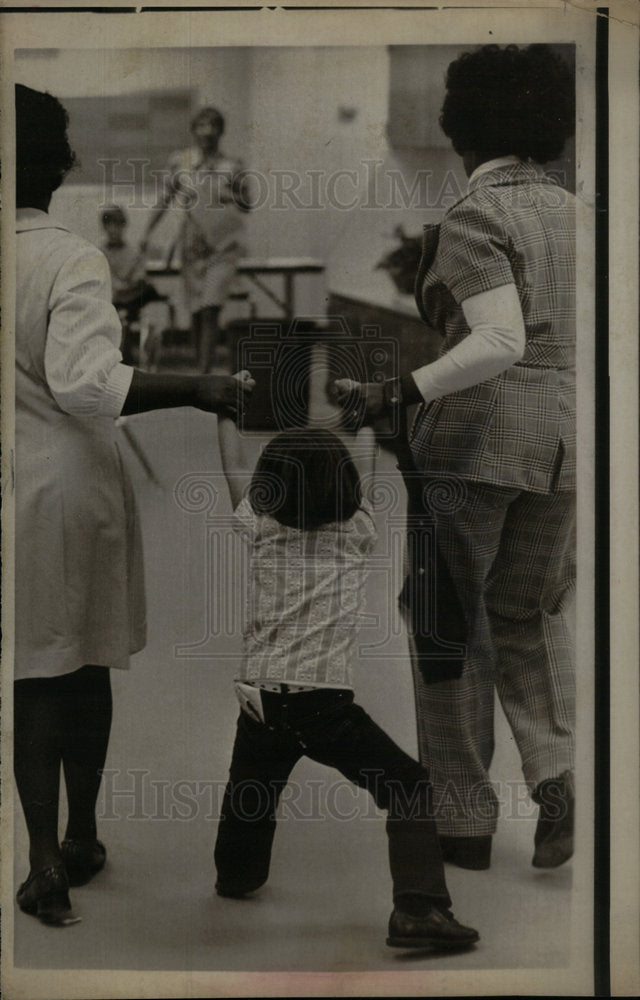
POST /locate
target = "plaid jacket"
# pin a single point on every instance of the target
(517, 428)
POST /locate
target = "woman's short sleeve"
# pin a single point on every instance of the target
(473, 249)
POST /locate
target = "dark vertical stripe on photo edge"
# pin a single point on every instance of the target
(602, 551)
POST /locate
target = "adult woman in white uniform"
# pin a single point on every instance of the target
(79, 587)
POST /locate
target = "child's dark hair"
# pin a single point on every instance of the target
(503, 101)
(43, 153)
(306, 478)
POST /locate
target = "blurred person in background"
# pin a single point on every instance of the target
(130, 290)
(213, 193)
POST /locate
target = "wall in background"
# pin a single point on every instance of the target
(318, 119)
(305, 120)
(310, 122)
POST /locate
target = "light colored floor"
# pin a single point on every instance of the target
(328, 899)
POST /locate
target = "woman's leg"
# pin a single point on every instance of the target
(529, 596)
(60, 720)
(39, 720)
(206, 326)
(455, 718)
(86, 739)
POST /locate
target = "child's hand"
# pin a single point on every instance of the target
(245, 377)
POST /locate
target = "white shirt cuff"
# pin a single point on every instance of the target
(115, 390)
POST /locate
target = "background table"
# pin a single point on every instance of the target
(256, 269)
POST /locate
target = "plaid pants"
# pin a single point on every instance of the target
(512, 556)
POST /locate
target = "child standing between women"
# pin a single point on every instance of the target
(309, 533)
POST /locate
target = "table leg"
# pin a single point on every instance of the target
(289, 302)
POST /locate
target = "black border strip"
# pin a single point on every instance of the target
(35, 9)
(132, 9)
(602, 868)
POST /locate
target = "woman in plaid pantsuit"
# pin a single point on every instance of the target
(497, 279)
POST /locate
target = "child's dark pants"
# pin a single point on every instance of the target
(328, 727)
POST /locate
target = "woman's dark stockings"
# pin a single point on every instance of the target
(60, 720)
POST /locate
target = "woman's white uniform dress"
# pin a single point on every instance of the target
(79, 588)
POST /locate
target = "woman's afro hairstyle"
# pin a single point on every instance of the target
(43, 153)
(510, 101)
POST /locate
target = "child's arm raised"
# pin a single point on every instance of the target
(234, 461)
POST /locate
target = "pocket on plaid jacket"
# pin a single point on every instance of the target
(512, 430)
(455, 428)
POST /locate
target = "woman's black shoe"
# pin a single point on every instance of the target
(553, 838)
(437, 931)
(45, 895)
(82, 859)
(473, 853)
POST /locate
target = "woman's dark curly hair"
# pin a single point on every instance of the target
(43, 154)
(510, 101)
(306, 478)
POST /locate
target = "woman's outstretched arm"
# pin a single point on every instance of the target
(165, 197)
(496, 341)
(150, 391)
